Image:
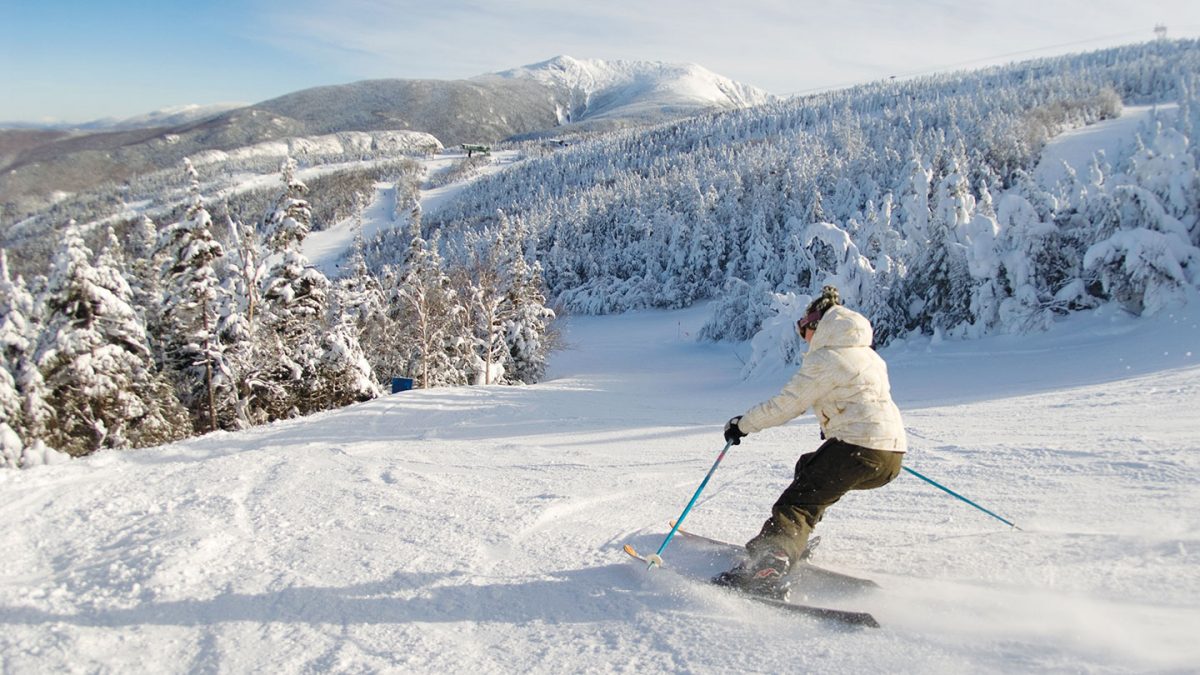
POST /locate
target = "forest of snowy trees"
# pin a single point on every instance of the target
(917, 199)
(195, 326)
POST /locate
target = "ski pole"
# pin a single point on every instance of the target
(955, 494)
(656, 559)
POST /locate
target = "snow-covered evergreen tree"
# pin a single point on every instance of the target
(1032, 264)
(914, 215)
(982, 239)
(287, 225)
(527, 320)
(294, 308)
(319, 362)
(99, 373)
(362, 301)
(840, 263)
(1149, 263)
(428, 313)
(777, 344)
(1166, 168)
(193, 298)
(343, 373)
(940, 280)
(738, 314)
(245, 269)
(19, 328)
(12, 340)
(487, 305)
(144, 268)
(243, 360)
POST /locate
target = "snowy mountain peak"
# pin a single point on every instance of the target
(594, 88)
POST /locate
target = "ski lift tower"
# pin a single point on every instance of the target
(1160, 31)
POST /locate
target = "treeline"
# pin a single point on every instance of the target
(201, 325)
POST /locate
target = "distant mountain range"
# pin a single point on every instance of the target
(166, 117)
(552, 97)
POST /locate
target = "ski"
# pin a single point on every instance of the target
(848, 617)
(800, 568)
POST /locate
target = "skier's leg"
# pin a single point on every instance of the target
(821, 479)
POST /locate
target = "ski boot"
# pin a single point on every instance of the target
(763, 575)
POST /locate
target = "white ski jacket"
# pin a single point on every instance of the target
(845, 383)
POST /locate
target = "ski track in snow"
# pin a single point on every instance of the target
(326, 249)
(1115, 137)
(480, 528)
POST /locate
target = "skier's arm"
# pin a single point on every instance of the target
(805, 387)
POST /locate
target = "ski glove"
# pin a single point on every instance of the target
(733, 434)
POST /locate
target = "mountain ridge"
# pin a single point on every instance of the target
(541, 98)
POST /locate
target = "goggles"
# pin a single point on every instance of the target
(809, 321)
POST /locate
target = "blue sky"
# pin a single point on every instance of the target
(79, 60)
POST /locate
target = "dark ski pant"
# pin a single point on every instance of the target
(822, 477)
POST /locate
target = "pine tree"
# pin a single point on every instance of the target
(319, 360)
(238, 330)
(707, 261)
(144, 266)
(97, 366)
(837, 261)
(428, 313)
(343, 374)
(19, 329)
(294, 309)
(1168, 170)
(738, 313)
(758, 256)
(12, 446)
(1149, 263)
(191, 311)
(914, 215)
(527, 319)
(246, 267)
(363, 301)
(941, 279)
(487, 305)
(983, 241)
(287, 225)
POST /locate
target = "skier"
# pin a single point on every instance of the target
(846, 384)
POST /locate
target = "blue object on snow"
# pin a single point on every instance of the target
(401, 384)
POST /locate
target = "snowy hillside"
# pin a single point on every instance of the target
(166, 117)
(596, 89)
(470, 528)
(479, 529)
(327, 249)
(527, 102)
(327, 145)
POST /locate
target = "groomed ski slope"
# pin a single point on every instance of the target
(479, 529)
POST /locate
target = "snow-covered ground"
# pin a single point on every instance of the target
(327, 249)
(479, 529)
(1115, 138)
